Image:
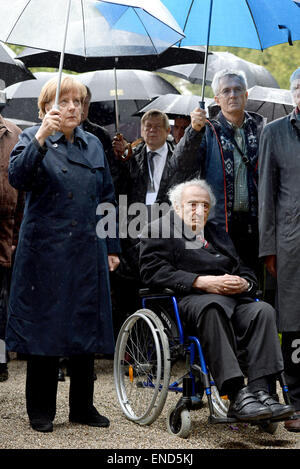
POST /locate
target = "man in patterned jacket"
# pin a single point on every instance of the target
(225, 151)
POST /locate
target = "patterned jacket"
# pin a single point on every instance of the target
(209, 154)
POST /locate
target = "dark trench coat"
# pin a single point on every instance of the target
(279, 213)
(60, 295)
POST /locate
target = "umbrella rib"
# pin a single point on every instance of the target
(146, 30)
(261, 47)
(84, 31)
(11, 30)
(187, 16)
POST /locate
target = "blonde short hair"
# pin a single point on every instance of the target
(48, 91)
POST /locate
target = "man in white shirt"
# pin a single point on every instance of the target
(143, 178)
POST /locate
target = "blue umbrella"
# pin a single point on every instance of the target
(254, 24)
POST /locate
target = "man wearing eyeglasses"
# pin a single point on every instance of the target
(225, 151)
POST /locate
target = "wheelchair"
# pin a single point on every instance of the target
(149, 344)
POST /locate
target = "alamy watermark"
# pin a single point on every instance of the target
(129, 221)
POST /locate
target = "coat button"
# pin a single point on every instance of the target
(93, 170)
(73, 222)
(64, 170)
(70, 195)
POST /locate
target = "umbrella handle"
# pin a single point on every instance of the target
(202, 104)
(55, 106)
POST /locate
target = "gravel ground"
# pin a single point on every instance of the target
(15, 432)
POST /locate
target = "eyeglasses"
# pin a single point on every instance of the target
(154, 127)
(237, 90)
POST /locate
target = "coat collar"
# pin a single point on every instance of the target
(79, 135)
(76, 155)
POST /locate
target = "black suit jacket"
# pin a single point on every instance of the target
(175, 261)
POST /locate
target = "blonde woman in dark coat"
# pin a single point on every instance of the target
(60, 300)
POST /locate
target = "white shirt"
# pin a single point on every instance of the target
(159, 161)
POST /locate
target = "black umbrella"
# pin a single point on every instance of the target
(11, 69)
(271, 103)
(193, 72)
(174, 105)
(142, 61)
(136, 86)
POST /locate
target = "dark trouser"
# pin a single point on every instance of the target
(245, 239)
(247, 345)
(42, 381)
(291, 356)
(4, 292)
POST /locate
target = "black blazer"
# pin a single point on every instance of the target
(176, 260)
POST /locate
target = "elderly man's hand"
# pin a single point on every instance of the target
(113, 262)
(221, 284)
(198, 119)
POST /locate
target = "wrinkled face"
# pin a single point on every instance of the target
(70, 107)
(296, 92)
(194, 207)
(232, 97)
(154, 132)
(180, 124)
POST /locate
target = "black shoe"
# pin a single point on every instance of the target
(279, 411)
(41, 425)
(61, 375)
(92, 418)
(247, 408)
(3, 372)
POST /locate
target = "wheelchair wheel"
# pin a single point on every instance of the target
(182, 426)
(142, 367)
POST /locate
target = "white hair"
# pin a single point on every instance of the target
(293, 78)
(175, 193)
(239, 74)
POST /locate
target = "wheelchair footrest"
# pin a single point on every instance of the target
(224, 420)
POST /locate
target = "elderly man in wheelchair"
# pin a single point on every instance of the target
(195, 258)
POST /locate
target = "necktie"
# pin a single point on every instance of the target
(151, 155)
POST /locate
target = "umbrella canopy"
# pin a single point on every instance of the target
(95, 28)
(88, 27)
(174, 105)
(172, 56)
(134, 86)
(255, 74)
(236, 23)
(271, 103)
(11, 69)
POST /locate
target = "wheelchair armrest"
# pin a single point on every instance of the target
(145, 292)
